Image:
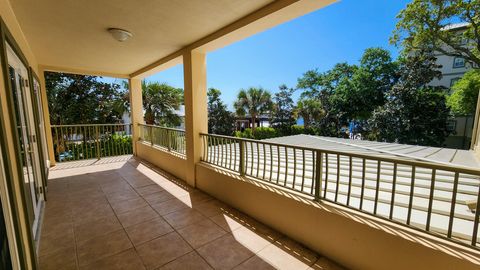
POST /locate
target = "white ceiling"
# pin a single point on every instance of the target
(72, 33)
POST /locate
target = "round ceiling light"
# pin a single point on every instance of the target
(120, 34)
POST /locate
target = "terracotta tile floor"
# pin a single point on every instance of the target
(129, 215)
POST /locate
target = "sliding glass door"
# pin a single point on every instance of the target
(26, 128)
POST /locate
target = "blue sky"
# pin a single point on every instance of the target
(337, 33)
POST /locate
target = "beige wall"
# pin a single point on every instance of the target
(169, 162)
(352, 239)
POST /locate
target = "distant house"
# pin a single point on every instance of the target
(453, 69)
(241, 123)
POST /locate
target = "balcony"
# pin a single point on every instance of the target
(131, 215)
(143, 196)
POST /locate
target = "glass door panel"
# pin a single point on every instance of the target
(27, 136)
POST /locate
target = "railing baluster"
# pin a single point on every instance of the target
(286, 167)
(251, 160)
(303, 169)
(271, 163)
(264, 160)
(452, 205)
(430, 200)
(362, 191)
(394, 183)
(377, 186)
(326, 176)
(230, 159)
(338, 178)
(97, 132)
(314, 171)
(349, 180)
(476, 220)
(318, 175)
(278, 163)
(412, 190)
(235, 148)
(258, 158)
(294, 166)
(242, 158)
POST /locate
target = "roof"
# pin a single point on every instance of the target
(382, 149)
(455, 26)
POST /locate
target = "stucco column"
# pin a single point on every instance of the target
(46, 117)
(136, 109)
(196, 115)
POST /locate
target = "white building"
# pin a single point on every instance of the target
(453, 68)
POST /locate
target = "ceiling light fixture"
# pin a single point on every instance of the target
(119, 34)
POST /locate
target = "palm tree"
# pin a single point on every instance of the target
(310, 110)
(254, 102)
(160, 101)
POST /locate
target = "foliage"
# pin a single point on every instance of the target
(363, 90)
(283, 108)
(463, 100)
(160, 101)
(425, 23)
(220, 119)
(253, 102)
(414, 113)
(296, 130)
(81, 99)
(310, 110)
(109, 145)
(259, 133)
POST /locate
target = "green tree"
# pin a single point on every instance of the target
(414, 113)
(254, 102)
(310, 110)
(283, 108)
(323, 87)
(365, 90)
(220, 119)
(160, 101)
(81, 99)
(463, 100)
(425, 24)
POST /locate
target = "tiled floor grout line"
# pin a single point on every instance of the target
(123, 227)
(176, 230)
(120, 175)
(209, 218)
(75, 248)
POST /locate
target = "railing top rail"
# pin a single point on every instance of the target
(84, 125)
(415, 162)
(155, 126)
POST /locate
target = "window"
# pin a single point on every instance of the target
(451, 125)
(453, 81)
(458, 62)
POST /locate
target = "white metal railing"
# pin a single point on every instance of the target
(424, 195)
(171, 139)
(90, 141)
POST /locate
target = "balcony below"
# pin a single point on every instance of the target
(123, 213)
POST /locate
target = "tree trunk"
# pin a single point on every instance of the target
(254, 123)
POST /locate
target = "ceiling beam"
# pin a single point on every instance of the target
(83, 72)
(260, 20)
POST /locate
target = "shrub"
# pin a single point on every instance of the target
(260, 133)
(296, 130)
(264, 133)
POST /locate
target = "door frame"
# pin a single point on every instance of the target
(20, 215)
(37, 114)
(29, 134)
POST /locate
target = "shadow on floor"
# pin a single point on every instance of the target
(131, 215)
